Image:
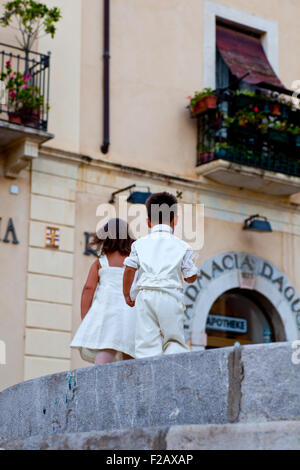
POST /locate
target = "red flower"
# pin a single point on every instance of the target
(256, 109)
(12, 94)
(8, 63)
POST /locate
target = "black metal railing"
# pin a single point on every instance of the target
(25, 80)
(256, 131)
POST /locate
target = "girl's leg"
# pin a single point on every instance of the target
(126, 357)
(105, 356)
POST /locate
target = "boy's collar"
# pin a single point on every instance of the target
(162, 228)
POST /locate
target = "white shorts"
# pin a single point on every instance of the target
(159, 326)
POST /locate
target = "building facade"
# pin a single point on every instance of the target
(53, 179)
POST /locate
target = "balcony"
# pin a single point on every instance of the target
(250, 140)
(24, 106)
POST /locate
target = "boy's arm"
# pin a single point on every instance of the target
(131, 264)
(189, 270)
(89, 289)
(128, 279)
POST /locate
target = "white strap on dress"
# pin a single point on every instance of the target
(104, 261)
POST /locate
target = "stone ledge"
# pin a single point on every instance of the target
(270, 387)
(160, 391)
(252, 384)
(280, 435)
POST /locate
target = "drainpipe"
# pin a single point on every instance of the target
(106, 58)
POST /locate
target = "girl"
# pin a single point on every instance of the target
(108, 324)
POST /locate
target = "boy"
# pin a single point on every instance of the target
(161, 259)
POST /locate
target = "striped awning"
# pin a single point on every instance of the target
(244, 53)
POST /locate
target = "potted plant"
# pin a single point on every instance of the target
(13, 83)
(25, 101)
(33, 19)
(202, 101)
(245, 122)
(32, 105)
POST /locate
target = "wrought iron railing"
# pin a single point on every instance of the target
(25, 80)
(222, 136)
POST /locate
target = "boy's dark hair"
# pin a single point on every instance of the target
(113, 236)
(161, 208)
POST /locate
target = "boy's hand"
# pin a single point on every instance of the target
(191, 280)
(129, 302)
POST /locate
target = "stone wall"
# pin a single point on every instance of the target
(253, 384)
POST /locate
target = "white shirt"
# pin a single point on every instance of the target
(162, 260)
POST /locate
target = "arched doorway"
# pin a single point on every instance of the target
(244, 316)
(257, 283)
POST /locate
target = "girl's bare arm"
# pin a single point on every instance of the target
(127, 283)
(89, 289)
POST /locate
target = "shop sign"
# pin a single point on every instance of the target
(230, 324)
(249, 268)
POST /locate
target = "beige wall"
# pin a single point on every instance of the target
(13, 261)
(50, 271)
(65, 193)
(156, 61)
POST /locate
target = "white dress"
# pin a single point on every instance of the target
(110, 322)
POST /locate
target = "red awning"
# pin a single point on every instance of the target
(243, 53)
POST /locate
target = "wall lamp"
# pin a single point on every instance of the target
(257, 223)
(135, 197)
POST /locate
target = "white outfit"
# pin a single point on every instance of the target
(110, 322)
(161, 260)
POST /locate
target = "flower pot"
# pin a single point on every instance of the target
(30, 117)
(208, 102)
(211, 102)
(276, 111)
(15, 118)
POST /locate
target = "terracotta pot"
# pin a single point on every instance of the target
(30, 117)
(208, 102)
(15, 118)
(276, 111)
(211, 102)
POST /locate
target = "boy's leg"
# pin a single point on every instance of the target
(148, 339)
(171, 321)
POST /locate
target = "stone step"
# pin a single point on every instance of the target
(249, 384)
(278, 435)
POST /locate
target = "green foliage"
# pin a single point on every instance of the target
(21, 93)
(261, 119)
(33, 19)
(199, 95)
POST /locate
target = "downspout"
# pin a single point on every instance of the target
(106, 58)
